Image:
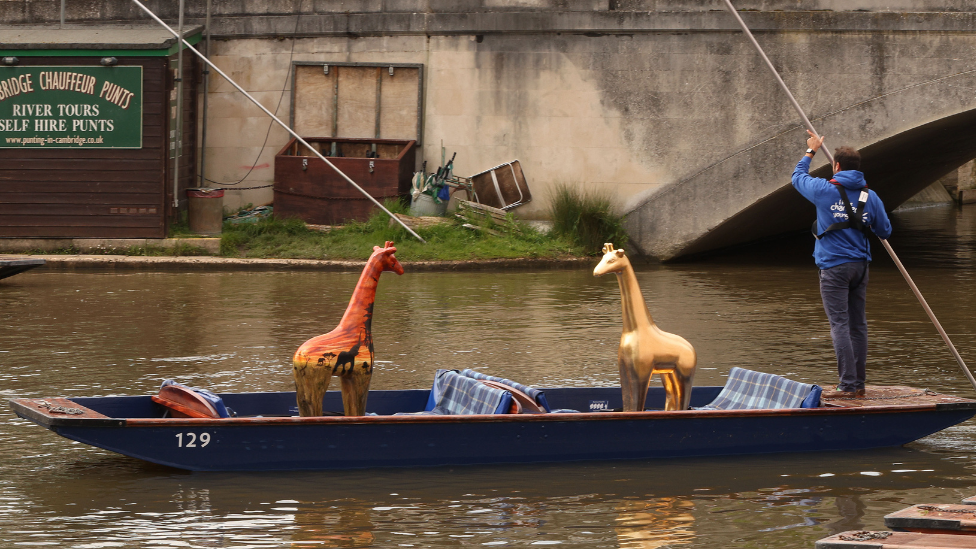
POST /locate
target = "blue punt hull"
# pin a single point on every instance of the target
(133, 426)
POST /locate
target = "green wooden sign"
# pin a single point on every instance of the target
(71, 107)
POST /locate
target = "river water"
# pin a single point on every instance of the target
(112, 333)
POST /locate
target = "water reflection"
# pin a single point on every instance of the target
(663, 522)
(850, 509)
(105, 333)
(343, 524)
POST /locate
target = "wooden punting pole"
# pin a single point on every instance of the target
(275, 118)
(830, 158)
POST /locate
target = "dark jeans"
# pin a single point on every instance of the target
(844, 292)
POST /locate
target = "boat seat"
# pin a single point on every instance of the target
(183, 401)
(749, 390)
(454, 394)
(537, 397)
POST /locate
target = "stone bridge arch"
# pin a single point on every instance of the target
(908, 138)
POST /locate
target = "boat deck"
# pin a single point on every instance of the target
(890, 395)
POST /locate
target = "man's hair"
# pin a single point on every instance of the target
(848, 158)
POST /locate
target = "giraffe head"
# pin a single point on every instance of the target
(387, 260)
(613, 261)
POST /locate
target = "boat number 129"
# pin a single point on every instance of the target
(191, 440)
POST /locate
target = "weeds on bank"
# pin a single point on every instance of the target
(293, 240)
(585, 218)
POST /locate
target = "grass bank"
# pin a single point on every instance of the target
(292, 239)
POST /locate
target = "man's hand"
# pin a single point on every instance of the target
(814, 142)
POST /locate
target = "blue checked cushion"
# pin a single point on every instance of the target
(538, 396)
(749, 390)
(455, 394)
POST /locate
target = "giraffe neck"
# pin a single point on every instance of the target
(635, 310)
(360, 306)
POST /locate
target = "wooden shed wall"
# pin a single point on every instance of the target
(100, 193)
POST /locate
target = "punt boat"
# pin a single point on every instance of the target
(9, 266)
(268, 434)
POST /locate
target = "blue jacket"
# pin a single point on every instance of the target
(846, 245)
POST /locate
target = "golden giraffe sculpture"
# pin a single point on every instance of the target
(645, 349)
(340, 352)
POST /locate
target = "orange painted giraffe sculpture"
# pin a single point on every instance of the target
(645, 349)
(346, 351)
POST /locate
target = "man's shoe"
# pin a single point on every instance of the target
(859, 393)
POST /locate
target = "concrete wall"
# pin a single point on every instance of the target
(662, 103)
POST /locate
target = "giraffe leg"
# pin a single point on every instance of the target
(311, 383)
(672, 390)
(634, 379)
(684, 375)
(355, 389)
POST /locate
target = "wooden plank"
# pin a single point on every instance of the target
(960, 518)
(314, 100)
(15, 200)
(60, 231)
(65, 210)
(78, 175)
(478, 228)
(895, 540)
(422, 221)
(58, 407)
(399, 104)
(98, 187)
(119, 164)
(357, 101)
(89, 221)
(482, 209)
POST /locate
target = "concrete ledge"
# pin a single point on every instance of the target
(246, 23)
(967, 196)
(590, 23)
(9, 245)
(192, 263)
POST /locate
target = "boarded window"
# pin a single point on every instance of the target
(357, 100)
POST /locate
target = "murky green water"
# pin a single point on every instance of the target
(101, 333)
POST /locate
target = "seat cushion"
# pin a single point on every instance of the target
(749, 390)
(211, 400)
(535, 394)
(455, 394)
(180, 401)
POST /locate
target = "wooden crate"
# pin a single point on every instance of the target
(307, 188)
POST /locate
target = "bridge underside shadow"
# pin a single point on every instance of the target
(896, 168)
